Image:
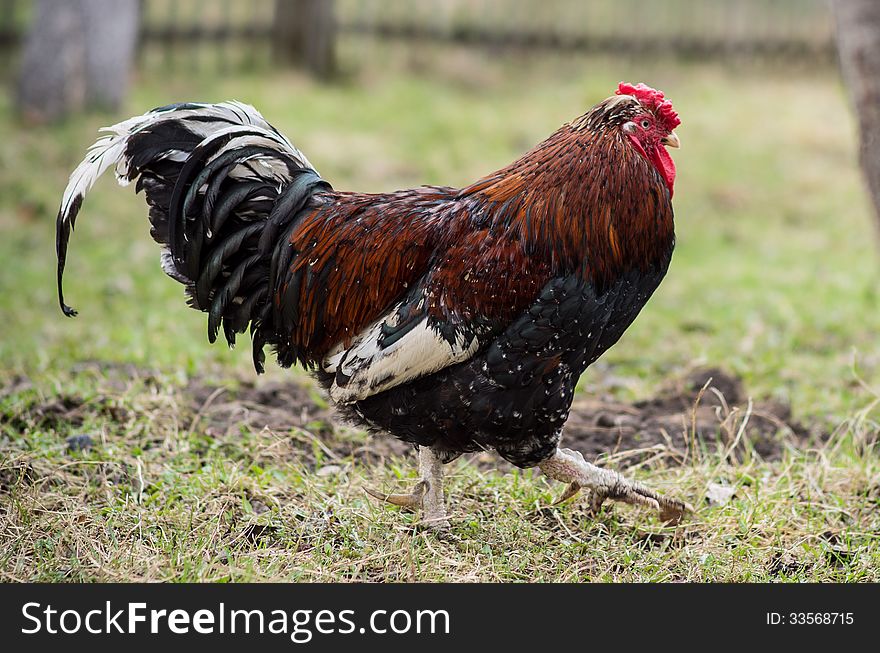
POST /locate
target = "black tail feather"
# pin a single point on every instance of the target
(221, 185)
(62, 237)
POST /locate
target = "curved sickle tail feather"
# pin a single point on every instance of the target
(222, 185)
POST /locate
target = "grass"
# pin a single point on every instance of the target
(774, 279)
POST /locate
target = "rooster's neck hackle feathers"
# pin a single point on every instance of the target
(610, 112)
(583, 201)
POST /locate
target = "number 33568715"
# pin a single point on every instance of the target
(810, 618)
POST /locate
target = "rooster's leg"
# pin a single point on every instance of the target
(428, 493)
(570, 467)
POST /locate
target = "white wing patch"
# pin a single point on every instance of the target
(372, 369)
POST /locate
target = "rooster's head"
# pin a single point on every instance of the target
(647, 120)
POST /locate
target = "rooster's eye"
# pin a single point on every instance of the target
(645, 124)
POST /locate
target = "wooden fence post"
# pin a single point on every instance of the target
(305, 35)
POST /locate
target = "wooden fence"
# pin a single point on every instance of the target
(704, 28)
(232, 33)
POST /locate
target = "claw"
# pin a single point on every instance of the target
(570, 491)
(673, 511)
(596, 501)
(412, 500)
(570, 467)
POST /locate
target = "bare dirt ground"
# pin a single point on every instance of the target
(708, 410)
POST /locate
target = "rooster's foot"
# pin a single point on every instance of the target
(411, 500)
(570, 467)
(427, 494)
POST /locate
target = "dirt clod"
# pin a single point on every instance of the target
(704, 412)
(79, 442)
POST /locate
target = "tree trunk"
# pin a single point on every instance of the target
(305, 35)
(111, 30)
(52, 79)
(858, 40)
(76, 55)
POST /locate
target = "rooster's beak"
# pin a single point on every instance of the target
(671, 140)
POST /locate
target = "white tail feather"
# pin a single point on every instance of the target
(110, 150)
(204, 121)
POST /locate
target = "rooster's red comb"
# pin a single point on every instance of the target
(653, 100)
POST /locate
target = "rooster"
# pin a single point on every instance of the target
(455, 319)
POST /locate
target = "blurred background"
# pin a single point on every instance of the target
(775, 273)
